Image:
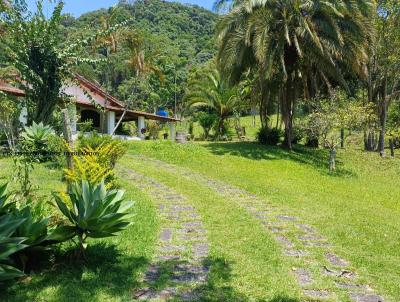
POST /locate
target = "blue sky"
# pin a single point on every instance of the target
(78, 7)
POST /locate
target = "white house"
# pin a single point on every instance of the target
(93, 103)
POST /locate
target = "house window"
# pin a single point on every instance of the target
(94, 116)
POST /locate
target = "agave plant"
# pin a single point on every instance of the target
(37, 133)
(9, 245)
(35, 139)
(4, 205)
(95, 212)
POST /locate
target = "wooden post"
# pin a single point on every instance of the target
(68, 137)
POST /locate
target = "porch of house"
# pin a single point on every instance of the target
(105, 121)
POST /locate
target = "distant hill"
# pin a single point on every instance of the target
(189, 27)
(180, 35)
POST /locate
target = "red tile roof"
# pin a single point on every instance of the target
(12, 90)
(115, 104)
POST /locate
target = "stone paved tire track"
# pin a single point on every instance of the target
(336, 268)
(182, 247)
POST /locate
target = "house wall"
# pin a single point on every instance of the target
(79, 94)
(84, 102)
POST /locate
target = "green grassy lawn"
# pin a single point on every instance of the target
(245, 121)
(114, 265)
(245, 262)
(356, 208)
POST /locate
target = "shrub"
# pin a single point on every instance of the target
(206, 121)
(297, 135)
(4, 206)
(94, 140)
(95, 212)
(116, 148)
(36, 139)
(56, 147)
(9, 245)
(90, 167)
(37, 133)
(267, 136)
(154, 129)
(29, 224)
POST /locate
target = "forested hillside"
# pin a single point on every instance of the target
(163, 42)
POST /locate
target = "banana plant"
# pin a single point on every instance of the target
(9, 245)
(95, 212)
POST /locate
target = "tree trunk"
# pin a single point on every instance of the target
(332, 159)
(277, 115)
(288, 99)
(342, 138)
(391, 144)
(68, 137)
(264, 99)
(383, 118)
(382, 131)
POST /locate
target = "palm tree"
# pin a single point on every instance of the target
(296, 43)
(211, 91)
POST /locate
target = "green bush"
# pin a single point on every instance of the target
(267, 136)
(297, 135)
(206, 121)
(24, 234)
(37, 133)
(35, 139)
(56, 146)
(9, 245)
(95, 212)
(96, 141)
(5, 206)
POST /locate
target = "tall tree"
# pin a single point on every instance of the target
(384, 64)
(35, 47)
(295, 43)
(210, 90)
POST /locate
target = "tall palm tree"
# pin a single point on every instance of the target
(294, 42)
(212, 91)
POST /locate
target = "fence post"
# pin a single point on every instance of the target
(67, 132)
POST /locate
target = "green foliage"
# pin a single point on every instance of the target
(115, 148)
(206, 121)
(97, 159)
(34, 227)
(35, 139)
(33, 49)
(56, 148)
(289, 44)
(41, 144)
(9, 245)
(328, 116)
(208, 89)
(23, 167)
(37, 133)
(154, 128)
(150, 60)
(268, 136)
(9, 122)
(21, 221)
(331, 116)
(95, 212)
(4, 196)
(297, 135)
(35, 46)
